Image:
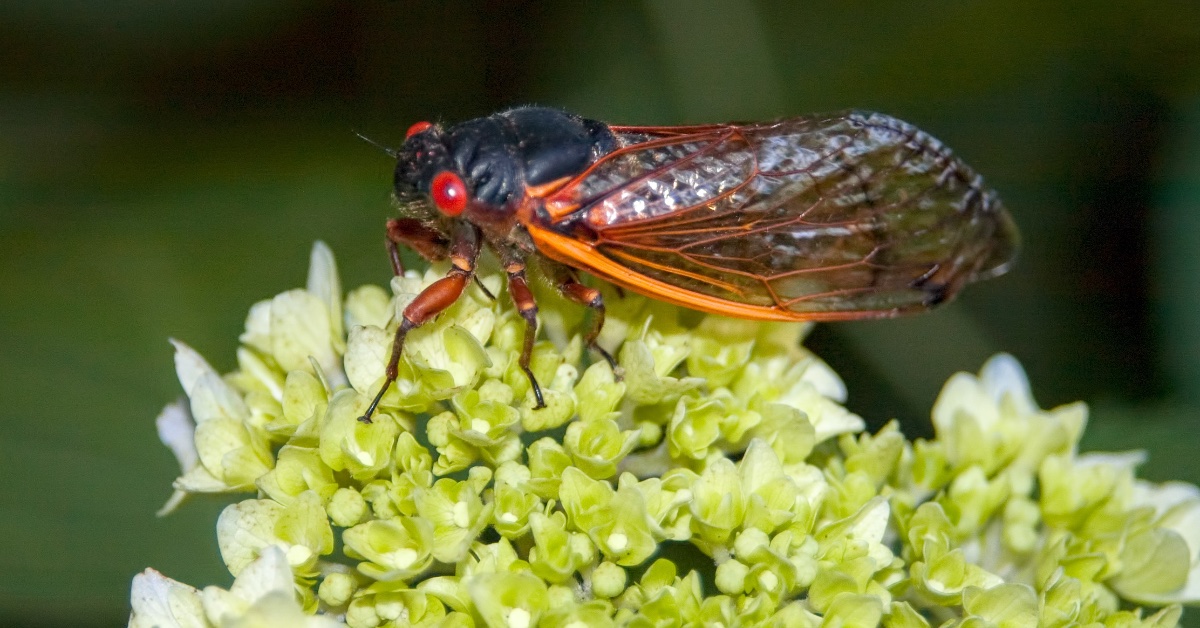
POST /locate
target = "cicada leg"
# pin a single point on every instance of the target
(522, 297)
(427, 242)
(569, 286)
(484, 289)
(441, 294)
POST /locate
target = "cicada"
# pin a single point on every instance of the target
(832, 217)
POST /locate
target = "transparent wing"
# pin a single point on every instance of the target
(827, 217)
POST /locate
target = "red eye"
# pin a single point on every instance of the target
(419, 127)
(449, 193)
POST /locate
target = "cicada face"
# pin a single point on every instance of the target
(423, 157)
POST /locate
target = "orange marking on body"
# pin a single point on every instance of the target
(560, 208)
(545, 189)
(555, 204)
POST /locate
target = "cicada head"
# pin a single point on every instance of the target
(427, 183)
(470, 172)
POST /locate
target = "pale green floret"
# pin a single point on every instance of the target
(731, 577)
(347, 508)
(336, 589)
(597, 446)
(718, 505)
(1003, 606)
(725, 444)
(508, 600)
(513, 508)
(347, 444)
(608, 580)
(302, 529)
(394, 548)
(903, 615)
(551, 557)
(298, 469)
(458, 514)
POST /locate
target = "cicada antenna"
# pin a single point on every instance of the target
(390, 151)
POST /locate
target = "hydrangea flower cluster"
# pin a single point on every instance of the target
(725, 446)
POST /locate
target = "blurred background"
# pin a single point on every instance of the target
(165, 165)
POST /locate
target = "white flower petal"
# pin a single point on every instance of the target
(1119, 460)
(269, 573)
(190, 366)
(824, 379)
(258, 327)
(222, 607)
(213, 398)
(872, 520)
(367, 353)
(324, 283)
(301, 327)
(160, 602)
(1003, 375)
(250, 363)
(177, 431)
(199, 480)
(1164, 496)
(245, 529)
(368, 305)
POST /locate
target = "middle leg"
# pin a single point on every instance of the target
(522, 296)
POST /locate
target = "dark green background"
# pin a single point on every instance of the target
(163, 165)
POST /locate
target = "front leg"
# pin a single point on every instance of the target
(441, 294)
(428, 242)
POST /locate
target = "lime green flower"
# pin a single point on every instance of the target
(513, 508)
(598, 393)
(297, 469)
(246, 529)
(548, 462)
(457, 513)
(406, 607)
(608, 580)
(1004, 606)
(719, 481)
(509, 600)
(551, 557)
(347, 444)
(625, 532)
(1162, 560)
(396, 548)
(645, 372)
(597, 446)
(230, 455)
(718, 505)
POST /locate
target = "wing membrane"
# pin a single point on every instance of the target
(829, 217)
